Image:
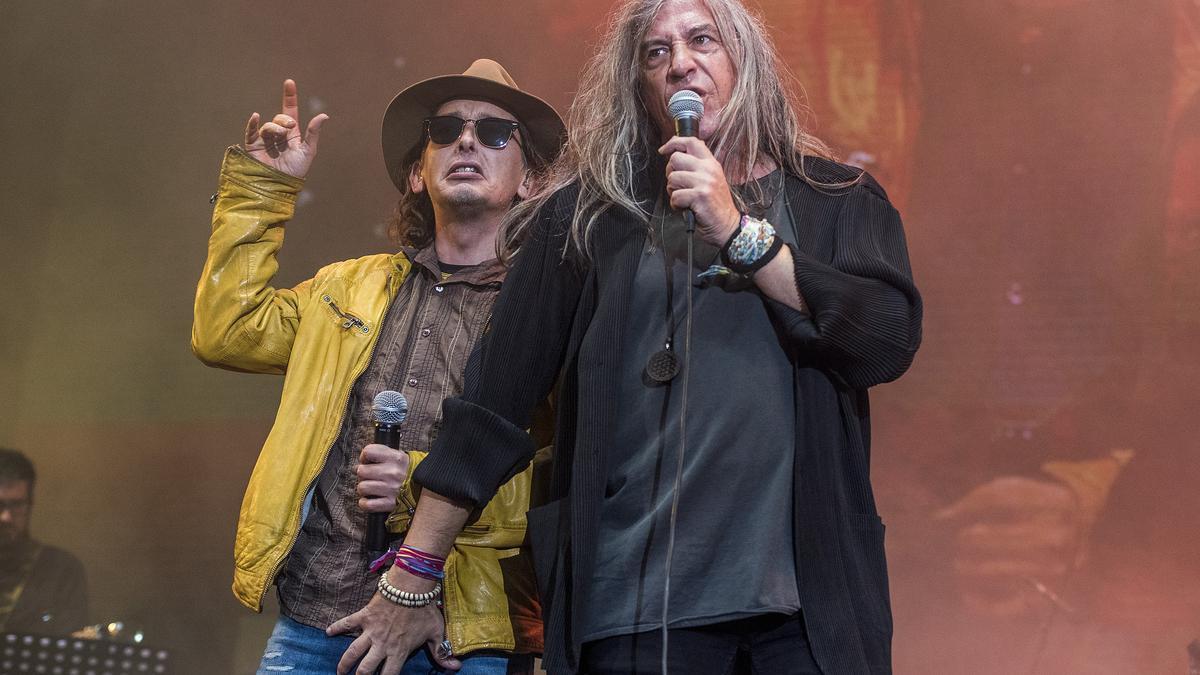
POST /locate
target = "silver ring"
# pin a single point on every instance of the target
(445, 649)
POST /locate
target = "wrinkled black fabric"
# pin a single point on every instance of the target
(558, 321)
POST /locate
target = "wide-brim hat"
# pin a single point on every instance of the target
(485, 80)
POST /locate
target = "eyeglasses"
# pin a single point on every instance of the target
(492, 132)
(17, 507)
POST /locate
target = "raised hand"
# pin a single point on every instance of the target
(279, 143)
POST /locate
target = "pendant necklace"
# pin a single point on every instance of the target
(663, 365)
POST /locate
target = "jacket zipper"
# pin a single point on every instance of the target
(351, 321)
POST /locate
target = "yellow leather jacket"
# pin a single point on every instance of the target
(242, 323)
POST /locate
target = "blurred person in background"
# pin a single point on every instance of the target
(43, 589)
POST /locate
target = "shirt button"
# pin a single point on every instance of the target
(439, 288)
(412, 381)
(425, 332)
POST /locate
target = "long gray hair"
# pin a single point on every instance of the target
(611, 130)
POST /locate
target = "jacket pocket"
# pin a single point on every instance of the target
(347, 320)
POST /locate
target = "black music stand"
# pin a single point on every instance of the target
(44, 655)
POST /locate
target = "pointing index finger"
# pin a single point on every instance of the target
(291, 99)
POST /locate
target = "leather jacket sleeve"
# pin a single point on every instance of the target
(240, 322)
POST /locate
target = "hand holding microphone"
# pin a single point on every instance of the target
(695, 179)
(382, 467)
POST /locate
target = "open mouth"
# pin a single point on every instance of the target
(464, 170)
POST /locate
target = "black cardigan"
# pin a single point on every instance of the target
(558, 322)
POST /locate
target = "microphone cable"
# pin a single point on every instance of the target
(690, 221)
(686, 108)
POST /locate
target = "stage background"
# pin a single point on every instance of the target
(1037, 468)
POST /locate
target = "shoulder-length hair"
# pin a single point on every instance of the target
(411, 223)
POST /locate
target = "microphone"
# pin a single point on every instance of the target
(390, 409)
(686, 109)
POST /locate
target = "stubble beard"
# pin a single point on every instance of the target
(465, 202)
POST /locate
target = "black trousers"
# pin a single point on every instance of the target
(772, 644)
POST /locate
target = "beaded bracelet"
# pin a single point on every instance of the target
(752, 246)
(404, 598)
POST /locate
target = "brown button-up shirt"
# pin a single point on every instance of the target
(422, 349)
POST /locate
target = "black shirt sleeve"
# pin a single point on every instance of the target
(865, 321)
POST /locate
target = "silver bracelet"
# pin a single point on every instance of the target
(404, 598)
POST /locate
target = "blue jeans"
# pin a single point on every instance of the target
(297, 649)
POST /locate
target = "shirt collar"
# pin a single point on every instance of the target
(425, 259)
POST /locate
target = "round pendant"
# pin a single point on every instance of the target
(663, 366)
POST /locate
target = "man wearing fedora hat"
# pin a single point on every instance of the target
(462, 149)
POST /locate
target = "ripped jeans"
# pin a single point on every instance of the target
(297, 649)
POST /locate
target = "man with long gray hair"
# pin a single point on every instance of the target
(711, 508)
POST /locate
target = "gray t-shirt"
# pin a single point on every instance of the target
(733, 553)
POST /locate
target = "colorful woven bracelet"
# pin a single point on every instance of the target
(752, 247)
(420, 564)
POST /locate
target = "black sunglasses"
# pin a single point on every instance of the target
(492, 132)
